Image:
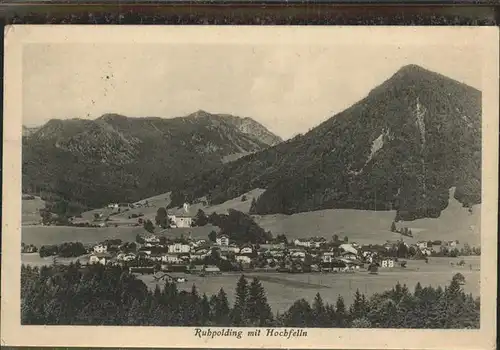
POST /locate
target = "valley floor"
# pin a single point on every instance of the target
(361, 226)
(284, 289)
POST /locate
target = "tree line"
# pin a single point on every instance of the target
(95, 295)
(64, 250)
(239, 227)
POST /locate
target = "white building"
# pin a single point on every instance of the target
(183, 221)
(100, 248)
(327, 257)
(302, 242)
(171, 258)
(349, 256)
(222, 240)
(346, 247)
(125, 257)
(426, 251)
(387, 263)
(98, 259)
(246, 250)
(151, 239)
(421, 245)
(181, 217)
(309, 243)
(178, 248)
(243, 259)
(298, 255)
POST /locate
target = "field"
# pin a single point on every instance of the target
(283, 289)
(365, 227)
(163, 200)
(42, 235)
(30, 210)
(34, 259)
(235, 203)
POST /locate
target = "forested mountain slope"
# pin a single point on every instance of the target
(402, 147)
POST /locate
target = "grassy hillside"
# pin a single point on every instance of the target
(367, 227)
(149, 212)
(30, 210)
(163, 200)
(362, 226)
(241, 203)
(43, 235)
(40, 235)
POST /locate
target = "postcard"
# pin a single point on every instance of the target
(250, 187)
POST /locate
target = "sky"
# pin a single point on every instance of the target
(289, 88)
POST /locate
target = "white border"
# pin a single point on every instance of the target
(12, 333)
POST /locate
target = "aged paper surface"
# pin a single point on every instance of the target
(359, 186)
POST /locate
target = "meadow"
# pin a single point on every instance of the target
(361, 226)
(163, 200)
(44, 235)
(373, 227)
(284, 289)
(30, 211)
(34, 259)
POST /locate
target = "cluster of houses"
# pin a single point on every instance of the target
(173, 253)
(300, 255)
(427, 248)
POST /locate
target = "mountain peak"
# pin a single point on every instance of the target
(245, 125)
(415, 72)
(107, 117)
(414, 80)
(199, 114)
(401, 147)
(129, 157)
(411, 68)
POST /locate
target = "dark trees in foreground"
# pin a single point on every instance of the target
(65, 250)
(111, 296)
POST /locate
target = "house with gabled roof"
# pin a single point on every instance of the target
(246, 249)
(222, 240)
(99, 258)
(182, 217)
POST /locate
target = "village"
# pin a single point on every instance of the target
(157, 252)
(151, 253)
(299, 256)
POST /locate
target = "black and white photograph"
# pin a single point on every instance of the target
(243, 188)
